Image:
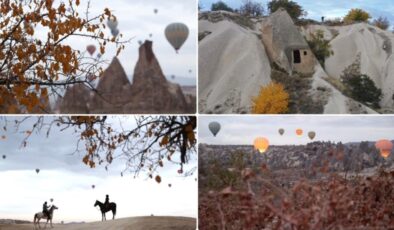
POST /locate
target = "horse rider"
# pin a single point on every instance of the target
(106, 203)
(45, 209)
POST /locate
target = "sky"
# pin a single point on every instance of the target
(137, 21)
(242, 130)
(328, 8)
(65, 178)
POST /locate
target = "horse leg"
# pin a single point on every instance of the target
(45, 227)
(113, 215)
(51, 223)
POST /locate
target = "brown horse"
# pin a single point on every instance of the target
(104, 209)
(39, 215)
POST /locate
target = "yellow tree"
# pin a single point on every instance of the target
(33, 66)
(272, 99)
(357, 15)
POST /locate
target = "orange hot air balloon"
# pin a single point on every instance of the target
(299, 132)
(261, 144)
(385, 147)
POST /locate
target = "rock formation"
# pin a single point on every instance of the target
(74, 101)
(149, 93)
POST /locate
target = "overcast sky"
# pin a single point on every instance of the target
(244, 129)
(328, 8)
(137, 20)
(65, 178)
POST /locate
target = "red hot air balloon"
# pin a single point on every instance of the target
(91, 49)
(385, 147)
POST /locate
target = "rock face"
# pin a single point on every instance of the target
(149, 93)
(233, 64)
(75, 100)
(111, 90)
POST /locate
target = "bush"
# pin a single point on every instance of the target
(320, 47)
(221, 6)
(251, 8)
(272, 99)
(382, 23)
(357, 15)
(363, 89)
(293, 9)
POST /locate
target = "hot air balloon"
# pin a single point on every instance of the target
(311, 135)
(261, 144)
(112, 23)
(115, 32)
(214, 127)
(150, 35)
(190, 71)
(299, 132)
(172, 76)
(51, 199)
(281, 131)
(139, 42)
(93, 186)
(385, 147)
(169, 185)
(176, 34)
(155, 11)
(91, 49)
(4, 156)
(121, 174)
(37, 171)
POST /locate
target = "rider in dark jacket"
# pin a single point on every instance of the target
(45, 210)
(106, 203)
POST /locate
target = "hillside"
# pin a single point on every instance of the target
(294, 161)
(238, 55)
(135, 223)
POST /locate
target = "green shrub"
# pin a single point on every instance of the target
(320, 47)
(220, 5)
(362, 89)
(293, 9)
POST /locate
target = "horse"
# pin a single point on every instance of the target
(104, 209)
(40, 215)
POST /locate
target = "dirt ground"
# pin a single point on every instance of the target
(135, 223)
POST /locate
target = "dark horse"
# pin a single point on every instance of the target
(104, 209)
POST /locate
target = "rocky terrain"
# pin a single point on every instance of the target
(338, 157)
(150, 91)
(236, 59)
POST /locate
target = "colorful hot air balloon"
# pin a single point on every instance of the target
(214, 127)
(281, 131)
(91, 49)
(37, 171)
(112, 23)
(385, 147)
(176, 34)
(311, 135)
(299, 132)
(261, 144)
